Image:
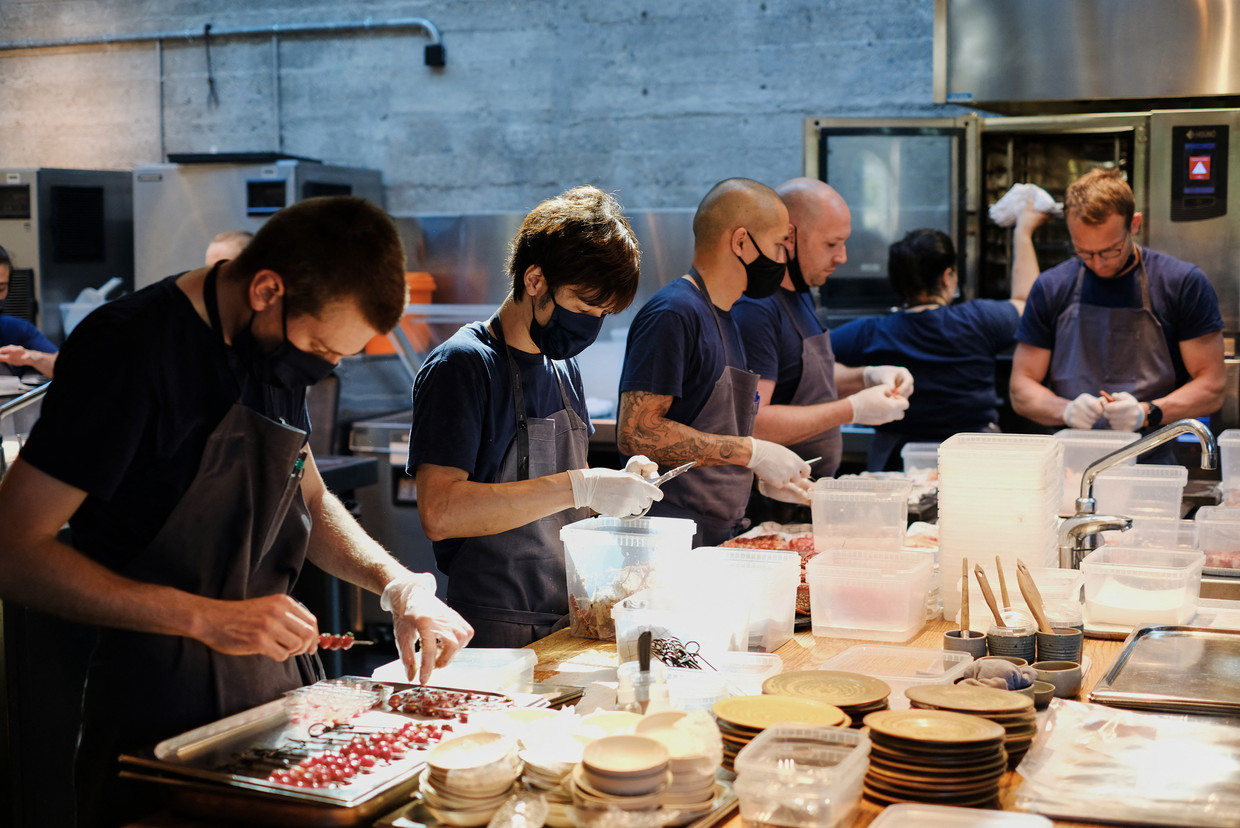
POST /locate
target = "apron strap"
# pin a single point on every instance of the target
(792, 316)
(714, 312)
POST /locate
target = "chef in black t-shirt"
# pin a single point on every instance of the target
(174, 443)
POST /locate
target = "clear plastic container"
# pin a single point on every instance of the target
(1229, 460)
(902, 667)
(711, 628)
(860, 512)
(495, 669)
(1218, 534)
(1160, 533)
(759, 585)
(745, 672)
(920, 456)
(873, 595)
(1081, 447)
(907, 815)
(608, 559)
(801, 776)
(1131, 585)
(1140, 491)
(1055, 585)
(1005, 460)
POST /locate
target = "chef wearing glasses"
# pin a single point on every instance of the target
(1119, 336)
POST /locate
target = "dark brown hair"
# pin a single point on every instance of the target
(582, 240)
(330, 249)
(1098, 194)
(916, 263)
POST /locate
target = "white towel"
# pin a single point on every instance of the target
(1006, 210)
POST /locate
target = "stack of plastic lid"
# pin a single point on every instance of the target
(999, 494)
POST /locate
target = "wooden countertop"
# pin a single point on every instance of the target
(805, 651)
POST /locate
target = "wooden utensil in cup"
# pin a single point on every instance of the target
(988, 594)
(1032, 597)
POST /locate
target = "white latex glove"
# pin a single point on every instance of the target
(611, 492)
(892, 375)
(417, 615)
(796, 491)
(774, 463)
(642, 466)
(877, 405)
(1082, 412)
(1124, 412)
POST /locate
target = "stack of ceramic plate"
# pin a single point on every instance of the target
(934, 756)
(628, 772)
(548, 771)
(469, 777)
(740, 718)
(1012, 710)
(693, 787)
(854, 693)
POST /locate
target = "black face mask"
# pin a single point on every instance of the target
(763, 274)
(566, 334)
(795, 274)
(286, 366)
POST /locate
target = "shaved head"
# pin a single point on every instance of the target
(733, 203)
(821, 224)
(809, 198)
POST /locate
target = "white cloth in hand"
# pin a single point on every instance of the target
(418, 615)
(892, 375)
(1006, 210)
(1082, 412)
(796, 491)
(611, 492)
(775, 463)
(1124, 412)
(877, 405)
(642, 466)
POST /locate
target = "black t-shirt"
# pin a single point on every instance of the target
(140, 386)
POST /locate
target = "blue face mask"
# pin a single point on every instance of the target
(566, 333)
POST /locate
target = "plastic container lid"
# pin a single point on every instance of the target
(901, 667)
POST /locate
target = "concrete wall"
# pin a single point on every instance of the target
(654, 100)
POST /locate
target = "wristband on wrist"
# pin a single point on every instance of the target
(1155, 417)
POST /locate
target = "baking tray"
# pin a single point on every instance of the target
(1174, 669)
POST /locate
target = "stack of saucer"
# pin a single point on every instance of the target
(628, 772)
(854, 693)
(1012, 710)
(548, 771)
(740, 718)
(693, 788)
(469, 777)
(934, 756)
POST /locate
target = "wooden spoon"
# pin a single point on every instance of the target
(988, 594)
(1032, 597)
(964, 597)
(1003, 593)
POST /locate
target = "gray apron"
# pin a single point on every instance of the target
(715, 496)
(512, 586)
(1110, 349)
(817, 385)
(240, 531)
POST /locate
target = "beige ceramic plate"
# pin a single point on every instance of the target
(626, 755)
(968, 698)
(936, 726)
(831, 686)
(763, 711)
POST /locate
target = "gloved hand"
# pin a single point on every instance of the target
(875, 406)
(611, 492)
(1124, 412)
(642, 466)
(796, 491)
(893, 375)
(775, 463)
(417, 615)
(1082, 412)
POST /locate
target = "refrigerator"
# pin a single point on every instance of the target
(900, 174)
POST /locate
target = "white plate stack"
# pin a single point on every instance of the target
(999, 494)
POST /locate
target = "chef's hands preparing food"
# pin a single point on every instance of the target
(276, 626)
(775, 465)
(417, 615)
(1083, 411)
(611, 492)
(878, 404)
(893, 376)
(796, 491)
(1123, 411)
(642, 466)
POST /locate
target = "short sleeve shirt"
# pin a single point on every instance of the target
(1181, 297)
(674, 349)
(772, 345)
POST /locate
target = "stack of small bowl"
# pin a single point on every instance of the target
(693, 787)
(628, 772)
(1004, 707)
(548, 771)
(469, 777)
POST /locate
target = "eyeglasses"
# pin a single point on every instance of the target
(1108, 255)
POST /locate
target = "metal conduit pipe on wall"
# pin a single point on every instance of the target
(433, 53)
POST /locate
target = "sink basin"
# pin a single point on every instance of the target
(1227, 589)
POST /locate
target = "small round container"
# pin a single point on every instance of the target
(1066, 614)
(1012, 641)
(1064, 675)
(965, 641)
(1019, 662)
(1061, 644)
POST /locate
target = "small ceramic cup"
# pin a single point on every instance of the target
(1060, 644)
(1065, 675)
(1043, 692)
(1012, 641)
(965, 641)
(1019, 662)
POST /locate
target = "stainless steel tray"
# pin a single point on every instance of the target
(1175, 669)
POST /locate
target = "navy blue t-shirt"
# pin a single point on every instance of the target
(14, 331)
(140, 386)
(950, 352)
(1182, 298)
(772, 344)
(674, 349)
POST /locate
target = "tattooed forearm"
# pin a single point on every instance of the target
(643, 428)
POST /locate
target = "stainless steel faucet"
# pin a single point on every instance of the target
(1079, 535)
